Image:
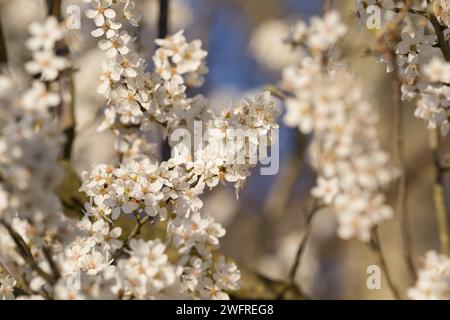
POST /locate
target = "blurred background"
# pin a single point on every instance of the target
(244, 40)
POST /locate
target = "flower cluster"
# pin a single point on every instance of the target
(30, 141)
(419, 54)
(167, 192)
(179, 61)
(433, 281)
(163, 192)
(441, 8)
(138, 229)
(46, 62)
(87, 259)
(327, 103)
(30, 147)
(7, 288)
(147, 100)
(418, 59)
(321, 34)
(148, 274)
(91, 250)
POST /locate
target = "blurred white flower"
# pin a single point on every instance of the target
(47, 64)
(7, 288)
(269, 46)
(45, 35)
(433, 281)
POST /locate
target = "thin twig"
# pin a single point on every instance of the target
(399, 145)
(439, 194)
(392, 35)
(315, 207)
(276, 92)
(26, 254)
(23, 286)
(301, 248)
(133, 234)
(402, 197)
(375, 246)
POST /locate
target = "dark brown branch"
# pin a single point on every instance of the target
(163, 30)
(410, 10)
(54, 8)
(26, 254)
(66, 111)
(163, 21)
(443, 44)
(3, 51)
(439, 29)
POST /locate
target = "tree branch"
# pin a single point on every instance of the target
(3, 51)
(54, 8)
(439, 194)
(26, 254)
(439, 29)
(66, 111)
(402, 197)
(315, 207)
(163, 30)
(392, 35)
(439, 190)
(163, 21)
(301, 248)
(375, 246)
(133, 234)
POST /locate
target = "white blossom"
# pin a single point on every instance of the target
(433, 281)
